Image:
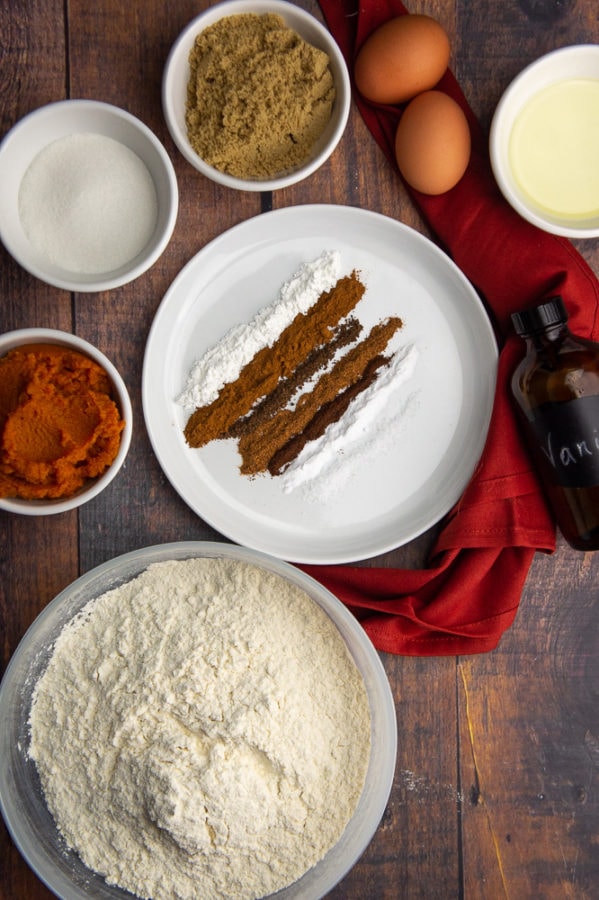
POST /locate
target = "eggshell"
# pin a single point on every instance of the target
(401, 58)
(432, 143)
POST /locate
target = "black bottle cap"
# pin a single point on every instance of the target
(538, 318)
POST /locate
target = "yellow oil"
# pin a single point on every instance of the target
(554, 149)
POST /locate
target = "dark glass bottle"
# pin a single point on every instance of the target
(556, 387)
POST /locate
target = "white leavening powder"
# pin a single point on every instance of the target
(325, 461)
(201, 732)
(224, 361)
(88, 203)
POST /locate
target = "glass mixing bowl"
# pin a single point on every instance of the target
(23, 807)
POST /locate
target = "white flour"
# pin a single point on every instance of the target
(201, 732)
(224, 361)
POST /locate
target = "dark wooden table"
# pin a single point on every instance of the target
(497, 786)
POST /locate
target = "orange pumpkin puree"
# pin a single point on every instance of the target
(59, 425)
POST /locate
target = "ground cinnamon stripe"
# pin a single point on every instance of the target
(317, 360)
(325, 416)
(258, 448)
(262, 374)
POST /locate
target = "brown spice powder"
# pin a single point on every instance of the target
(258, 96)
(317, 360)
(264, 371)
(326, 415)
(260, 446)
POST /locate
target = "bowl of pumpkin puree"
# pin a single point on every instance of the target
(65, 421)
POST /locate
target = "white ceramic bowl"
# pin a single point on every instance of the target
(23, 806)
(12, 339)
(34, 133)
(176, 77)
(579, 61)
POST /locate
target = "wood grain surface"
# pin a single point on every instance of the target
(496, 793)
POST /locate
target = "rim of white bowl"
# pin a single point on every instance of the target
(510, 103)
(183, 43)
(12, 339)
(127, 272)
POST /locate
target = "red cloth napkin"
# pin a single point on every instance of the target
(469, 594)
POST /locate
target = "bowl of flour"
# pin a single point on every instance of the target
(195, 720)
(88, 195)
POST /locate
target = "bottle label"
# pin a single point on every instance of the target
(568, 437)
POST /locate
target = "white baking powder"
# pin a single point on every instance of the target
(88, 203)
(201, 732)
(223, 362)
(325, 464)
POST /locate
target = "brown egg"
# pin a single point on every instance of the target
(432, 143)
(401, 58)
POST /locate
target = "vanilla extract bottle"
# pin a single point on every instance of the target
(556, 387)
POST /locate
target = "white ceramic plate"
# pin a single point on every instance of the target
(394, 494)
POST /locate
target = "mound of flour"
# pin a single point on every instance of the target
(201, 732)
(223, 362)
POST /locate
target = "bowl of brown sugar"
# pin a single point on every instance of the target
(256, 95)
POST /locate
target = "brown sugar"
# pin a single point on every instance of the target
(258, 97)
(263, 373)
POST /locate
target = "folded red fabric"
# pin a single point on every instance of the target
(469, 594)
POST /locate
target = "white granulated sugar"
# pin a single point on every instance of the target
(88, 203)
(214, 732)
(325, 463)
(223, 362)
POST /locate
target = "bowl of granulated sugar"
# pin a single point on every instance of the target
(256, 94)
(88, 195)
